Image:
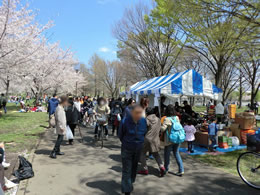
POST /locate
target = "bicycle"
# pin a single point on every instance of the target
(101, 120)
(248, 167)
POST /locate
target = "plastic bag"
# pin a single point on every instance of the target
(25, 170)
(118, 117)
(69, 134)
(52, 120)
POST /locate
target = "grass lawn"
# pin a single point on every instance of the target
(20, 131)
(226, 161)
(203, 108)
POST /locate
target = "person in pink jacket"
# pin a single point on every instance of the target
(190, 131)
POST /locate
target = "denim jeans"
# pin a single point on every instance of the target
(58, 143)
(129, 168)
(5, 109)
(175, 149)
(213, 141)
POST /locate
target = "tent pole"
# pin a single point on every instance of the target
(159, 107)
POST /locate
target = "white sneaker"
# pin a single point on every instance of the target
(106, 136)
(9, 184)
(6, 165)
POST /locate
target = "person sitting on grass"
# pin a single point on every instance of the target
(212, 130)
(190, 131)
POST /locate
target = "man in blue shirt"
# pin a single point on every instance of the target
(131, 134)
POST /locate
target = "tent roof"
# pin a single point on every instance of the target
(188, 83)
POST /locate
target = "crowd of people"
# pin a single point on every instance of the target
(141, 129)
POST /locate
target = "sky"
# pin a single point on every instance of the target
(85, 26)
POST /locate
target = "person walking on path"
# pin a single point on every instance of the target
(190, 131)
(130, 103)
(116, 113)
(60, 119)
(72, 117)
(169, 146)
(52, 105)
(152, 142)
(131, 134)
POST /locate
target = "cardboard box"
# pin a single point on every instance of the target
(248, 114)
(235, 130)
(222, 139)
(246, 120)
(229, 142)
(202, 138)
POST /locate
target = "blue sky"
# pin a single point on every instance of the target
(85, 26)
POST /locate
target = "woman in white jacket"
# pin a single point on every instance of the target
(60, 119)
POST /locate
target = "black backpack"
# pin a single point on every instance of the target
(25, 170)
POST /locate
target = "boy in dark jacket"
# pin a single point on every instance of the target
(131, 133)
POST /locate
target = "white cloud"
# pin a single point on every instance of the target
(104, 49)
(103, 2)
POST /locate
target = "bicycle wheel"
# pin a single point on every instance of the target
(248, 167)
(102, 136)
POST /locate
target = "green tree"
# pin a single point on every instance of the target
(152, 47)
(213, 35)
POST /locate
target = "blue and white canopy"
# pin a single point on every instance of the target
(187, 83)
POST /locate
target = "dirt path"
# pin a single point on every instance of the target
(88, 169)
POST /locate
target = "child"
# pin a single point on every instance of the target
(190, 131)
(212, 130)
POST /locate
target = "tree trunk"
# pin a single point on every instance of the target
(252, 99)
(7, 87)
(240, 92)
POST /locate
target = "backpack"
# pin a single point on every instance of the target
(25, 170)
(177, 134)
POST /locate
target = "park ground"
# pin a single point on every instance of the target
(87, 168)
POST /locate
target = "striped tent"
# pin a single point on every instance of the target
(187, 83)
